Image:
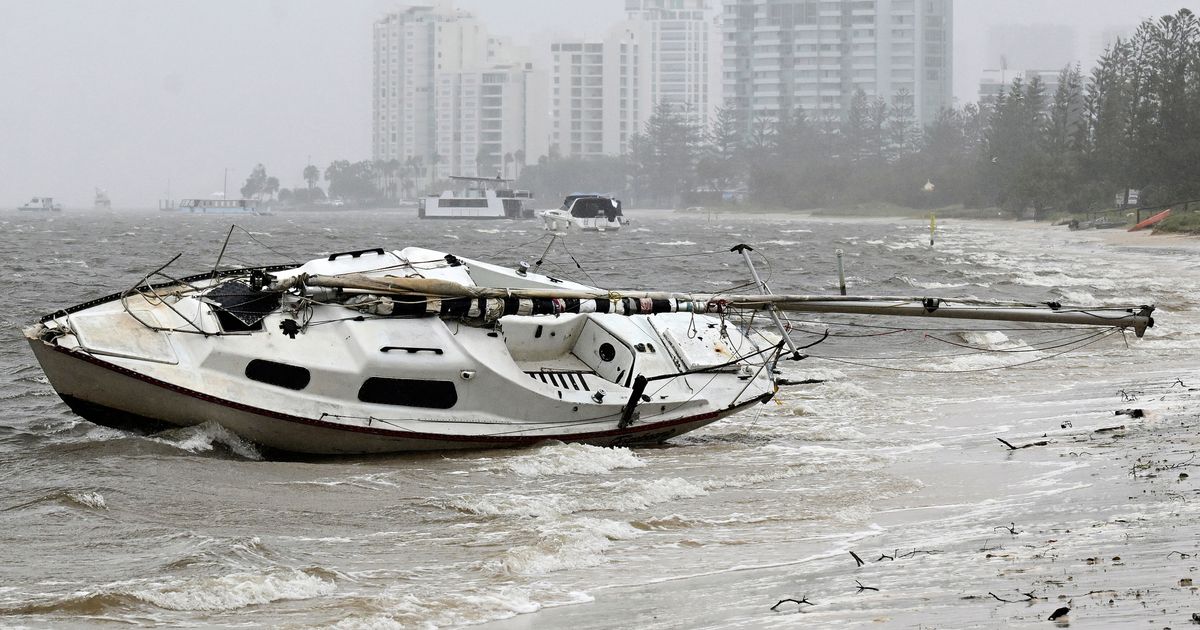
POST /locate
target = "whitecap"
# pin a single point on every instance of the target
(573, 459)
(571, 545)
(234, 591)
(204, 437)
(91, 499)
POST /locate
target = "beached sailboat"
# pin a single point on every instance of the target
(415, 349)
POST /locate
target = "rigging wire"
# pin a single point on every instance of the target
(1095, 338)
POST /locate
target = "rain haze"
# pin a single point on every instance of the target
(141, 97)
(594, 314)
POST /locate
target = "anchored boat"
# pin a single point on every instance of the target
(585, 212)
(481, 198)
(415, 349)
(41, 204)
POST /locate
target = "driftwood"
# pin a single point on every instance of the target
(862, 588)
(857, 559)
(1110, 429)
(1132, 413)
(1011, 447)
(802, 600)
(1010, 528)
(1028, 598)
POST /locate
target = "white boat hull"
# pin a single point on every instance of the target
(110, 395)
(397, 382)
(562, 221)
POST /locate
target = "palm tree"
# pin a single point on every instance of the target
(433, 162)
(417, 164)
(393, 169)
(518, 162)
(481, 159)
(312, 175)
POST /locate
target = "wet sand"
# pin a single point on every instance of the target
(1097, 509)
(995, 538)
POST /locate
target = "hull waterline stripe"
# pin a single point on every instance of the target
(569, 437)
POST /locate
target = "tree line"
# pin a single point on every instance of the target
(1133, 122)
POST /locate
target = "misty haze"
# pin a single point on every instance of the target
(620, 313)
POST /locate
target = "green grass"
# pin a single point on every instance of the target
(1183, 223)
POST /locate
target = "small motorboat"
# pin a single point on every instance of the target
(585, 212)
(377, 351)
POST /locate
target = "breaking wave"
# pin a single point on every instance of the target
(223, 593)
(205, 437)
(563, 545)
(573, 459)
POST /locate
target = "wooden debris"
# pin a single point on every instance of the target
(862, 588)
(802, 600)
(1010, 528)
(1011, 447)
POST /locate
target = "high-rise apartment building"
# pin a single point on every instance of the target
(447, 93)
(783, 54)
(595, 94)
(604, 90)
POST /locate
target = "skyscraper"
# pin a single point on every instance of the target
(448, 95)
(815, 54)
(604, 90)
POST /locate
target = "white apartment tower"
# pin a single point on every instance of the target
(604, 91)
(595, 95)
(814, 54)
(447, 93)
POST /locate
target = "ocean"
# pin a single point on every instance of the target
(892, 454)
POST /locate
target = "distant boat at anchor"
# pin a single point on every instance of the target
(587, 212)
(41, 204)
(216, 206)
(102, 202)
(483, 198)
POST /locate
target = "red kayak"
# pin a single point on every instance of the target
(1152, 220)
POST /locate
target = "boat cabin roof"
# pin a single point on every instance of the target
(215, 203)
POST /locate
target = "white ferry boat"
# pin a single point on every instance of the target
(41, 204)
(218, 206)
(482, 198)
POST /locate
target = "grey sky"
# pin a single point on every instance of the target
(129, 95)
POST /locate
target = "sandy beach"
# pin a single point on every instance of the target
(1094, 507)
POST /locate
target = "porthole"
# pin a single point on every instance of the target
(278, 374)
(408, 392)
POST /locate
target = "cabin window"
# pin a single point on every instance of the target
(408, 392)
(279, 374)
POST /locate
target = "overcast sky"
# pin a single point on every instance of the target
(138, 95)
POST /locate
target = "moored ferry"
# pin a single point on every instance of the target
(481, 198)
